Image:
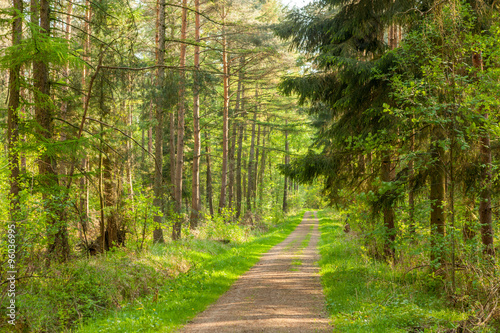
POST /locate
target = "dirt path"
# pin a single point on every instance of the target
(282, 293)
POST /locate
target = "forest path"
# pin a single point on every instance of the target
(281, 293)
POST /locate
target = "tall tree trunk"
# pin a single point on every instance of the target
(209, 176)
(238, 169)
(111, 234)
(387, 176)
(172, 159)
(176, 231)
(13, 109)
(84, 191)
(232, 149)
(287, 160)
(47, 165)
(388, 210)
(262, 169)
(256, 169)
(437, 197)
(411, 198)
(485, 217)
(160, 60)
(251, 167)
(195, 199)
(225, 129)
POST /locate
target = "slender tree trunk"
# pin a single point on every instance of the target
(388, 210)
(238, 170)
(225, 129)
(69, 16)
(251, 157)
(47, 166)
(171, 145)
(195, 199)
(287, 160)
(262, 169)
(209, 177)
(111, 234)
(176, 232)
(437, 196)
(256, 169)
(86, 57)
(411, 198)
(102, 224)
(485, 217)
(158, 182)
(150, 130)
(13, 109)
(232, 149)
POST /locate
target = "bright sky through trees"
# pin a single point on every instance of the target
(295, 3)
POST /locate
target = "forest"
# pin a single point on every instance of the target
(154, 150)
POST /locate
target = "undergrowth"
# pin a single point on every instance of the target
(365, 295)
(156, 289)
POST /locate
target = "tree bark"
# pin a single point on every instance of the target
(158, 181)
(262, 169)
(209, 176)
(485, 217)
(195, 199)
(179, 164)
(232, 150)
(225, 129)
(411, 198)
(251, 166)
(437, 196)
(58, 246)
(388, 210)
(256, 169)
(13, 109)
(285, 189)
(239, 157)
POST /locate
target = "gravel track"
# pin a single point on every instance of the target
(281, 293)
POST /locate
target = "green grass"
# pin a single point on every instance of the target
(367, 296)
(181, 298)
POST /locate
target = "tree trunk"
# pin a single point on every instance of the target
(232, 150)
(388, 210)
(256, 169)
(209, 176)
(285, 189)
(225, 130)
(437, 196)
(111, 234)
(13, 109)
(251, 157)
(176, 231)
(262, 169)
(411, 198)
(158, 181)
(195, 199)
(47, 165)
(485, 217)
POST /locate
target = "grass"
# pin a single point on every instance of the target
(367, 296)
(179, 299)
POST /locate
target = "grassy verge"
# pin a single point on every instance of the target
(367, 296)
(214, 268)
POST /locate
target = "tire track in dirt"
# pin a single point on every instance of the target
(281, 293)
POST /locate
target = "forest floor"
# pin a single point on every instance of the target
(281, 293)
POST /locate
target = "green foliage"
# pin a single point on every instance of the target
(213, 268)
(160, 287)
(370, 296)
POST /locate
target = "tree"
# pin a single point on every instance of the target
(179, 164)
(160, 77)
(195, 201)
(13, 114)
